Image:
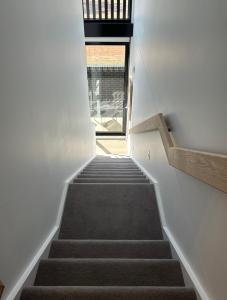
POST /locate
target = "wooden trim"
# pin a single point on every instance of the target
(210, 168)
(1, 288)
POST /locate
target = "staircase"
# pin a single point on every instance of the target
(110, 243)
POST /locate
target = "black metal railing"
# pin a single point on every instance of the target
(104, 10)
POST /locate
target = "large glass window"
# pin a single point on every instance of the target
(107, 80)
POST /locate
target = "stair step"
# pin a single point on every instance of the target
(97, 172)
(111, 176)
(111, 173)
(110, 249)
(111, 180)
(111, 245)
(109, 272)
(111, 159)
(101, 171)
(112, 162)
(108, 293)
(111, 212)
(114, 170)
(113, 166)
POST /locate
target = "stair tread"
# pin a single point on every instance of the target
(111, 180)
(118, 171)
(109, 272)
(111, 245)
(111, 175)
(111, 211)
(110, 171)
(110, 249)
(108, 293)
(113, 166)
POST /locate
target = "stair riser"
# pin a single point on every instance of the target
(110, 249)
(107, 293)
(112, 171)
(115, 161)
(108, 158)
(114, 167)
(129, 162)
(109, 272)
(106, 180)
(104, 174)
(97, 172)
(111, 176)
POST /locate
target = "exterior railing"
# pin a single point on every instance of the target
(113, 10)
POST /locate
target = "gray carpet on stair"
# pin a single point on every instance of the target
(110, 249)
(112, 172)
(108, 293)
(110, 244)
(113, 167)
(111, 180)
(109, 272)
(111, 211)
(110, 176)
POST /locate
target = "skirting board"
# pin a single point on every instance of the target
(190, 277)
(28, 276)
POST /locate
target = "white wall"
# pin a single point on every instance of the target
(181, 70)
(45, 132)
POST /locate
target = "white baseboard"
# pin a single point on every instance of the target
(24, 277)
(194, 281)
(27, 276)
(191, 279)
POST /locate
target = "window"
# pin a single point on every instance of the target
(107, 69)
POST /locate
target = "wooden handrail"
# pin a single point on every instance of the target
(1, 288)
(208, 167)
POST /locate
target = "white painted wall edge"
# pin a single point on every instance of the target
(21, 281)
(190, 272)
(39, 254)
(180, 255)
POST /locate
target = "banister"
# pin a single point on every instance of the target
(210, 168)
(1, 288)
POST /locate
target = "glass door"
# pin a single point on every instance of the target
(107, 70)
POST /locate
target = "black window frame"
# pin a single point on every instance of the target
(125, 103)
